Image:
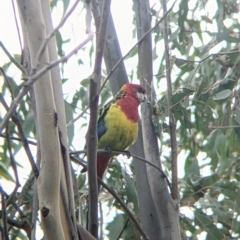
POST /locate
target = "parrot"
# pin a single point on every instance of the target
(117, 126)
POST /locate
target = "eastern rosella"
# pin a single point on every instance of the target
(118, 123)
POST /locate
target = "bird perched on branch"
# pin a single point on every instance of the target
(117, 126)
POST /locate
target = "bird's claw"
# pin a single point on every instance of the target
(84, 170)
(108, 150)
(128, 154)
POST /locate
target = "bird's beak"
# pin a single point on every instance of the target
(141, 97)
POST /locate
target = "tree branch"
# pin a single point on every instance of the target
(45, 42)
(132, 48)
(49, 179)
(68, 215)
(17, 26)
(79, 116)
(128, 154)
(24, 224)
(124, 206)
(23, 139)
(16, 63)
(12, 159)
(4, 214)
(113, 193)
(172, 122)
(18, 139)
(21, 196)
(166, 208)
(92, 129)
(223, 127)
(32, 79)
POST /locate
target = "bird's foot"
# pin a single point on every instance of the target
(108, 150)
(84, 170)
(128, 154)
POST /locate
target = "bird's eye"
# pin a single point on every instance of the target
(141, 90)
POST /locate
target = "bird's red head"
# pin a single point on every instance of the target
(135, 90)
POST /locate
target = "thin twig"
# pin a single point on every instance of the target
(13, 107)
(128, 154)
(17, 64)
(26, 147)
(7, 82)
(15, 205)
(24, 224)
(4, 214)
(10, 198)
(72, 225)
(153, 165)
(114, 194)
(92, 130)
(101, 220)
(124, 206)
(124, 227)
(23, 139)
(67, 213)
(79, 116)
(104, 151)
(205, 58)
(223, 127)
(21, 196)
(132, 48)
(12, 159)
(43, 70)
(36, 76)
(35, 208)
(45, 42)
(18, 139)
(172, 122)
(78, 161)
(17, 26)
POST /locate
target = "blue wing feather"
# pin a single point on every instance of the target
(101, 128)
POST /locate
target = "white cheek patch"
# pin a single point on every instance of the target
(141, 97)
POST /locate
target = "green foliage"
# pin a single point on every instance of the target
(205, 106)
(4, 172)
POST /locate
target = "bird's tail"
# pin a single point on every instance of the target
(102, 162)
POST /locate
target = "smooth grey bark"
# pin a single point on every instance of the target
(166, 208)
(27, 65)
(92, 140)
(112, 54)
(147, 210)
(49, 179)
(66, 173)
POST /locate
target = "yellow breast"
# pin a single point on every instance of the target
(121, 133)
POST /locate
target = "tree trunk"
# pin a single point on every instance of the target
(52, 204)
(167, 209)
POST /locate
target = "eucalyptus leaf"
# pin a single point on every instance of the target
(222, 95)
(131, 190)
(184, 65)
